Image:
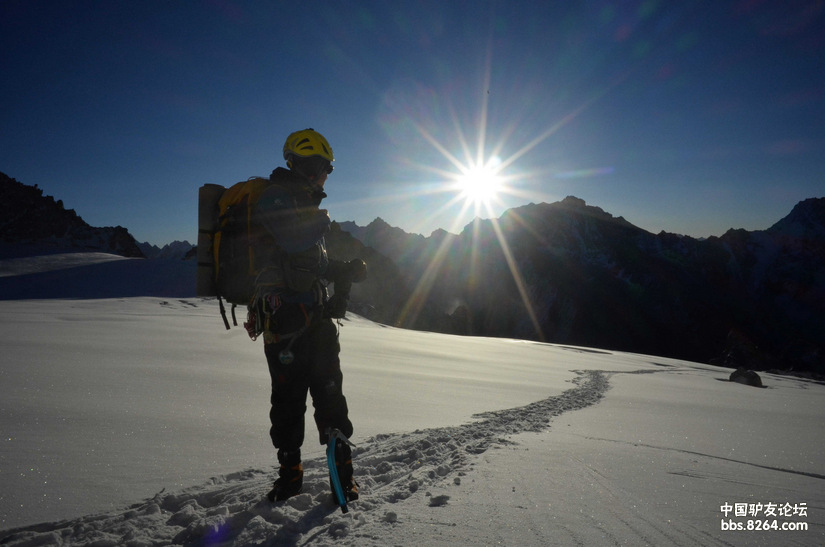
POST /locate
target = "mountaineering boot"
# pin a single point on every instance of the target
(343, 465)
(290, 479)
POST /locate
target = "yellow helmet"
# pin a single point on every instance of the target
(307, 143)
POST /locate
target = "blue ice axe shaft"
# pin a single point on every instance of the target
(334, 435)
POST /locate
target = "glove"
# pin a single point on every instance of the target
(337, 306)
(343, 274)
(357, 270)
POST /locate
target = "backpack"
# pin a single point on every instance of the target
(231, 247)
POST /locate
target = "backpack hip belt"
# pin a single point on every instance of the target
(266, 304)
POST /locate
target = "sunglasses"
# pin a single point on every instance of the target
(313, 164)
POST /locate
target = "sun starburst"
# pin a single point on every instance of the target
(480, 183)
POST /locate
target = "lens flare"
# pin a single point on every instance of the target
(480, 184)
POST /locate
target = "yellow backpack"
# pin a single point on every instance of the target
(230, 245)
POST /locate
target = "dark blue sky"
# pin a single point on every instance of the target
(689, 117)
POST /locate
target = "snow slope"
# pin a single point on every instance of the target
(140, 421)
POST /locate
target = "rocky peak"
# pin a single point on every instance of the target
(29, 217)
(176, 250)
(805, 221)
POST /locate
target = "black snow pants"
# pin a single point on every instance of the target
(315, 368)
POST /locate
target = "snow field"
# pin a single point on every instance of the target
(459, 440)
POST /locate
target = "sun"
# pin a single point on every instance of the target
(480, 183)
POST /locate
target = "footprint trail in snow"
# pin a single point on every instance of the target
(390, 468)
